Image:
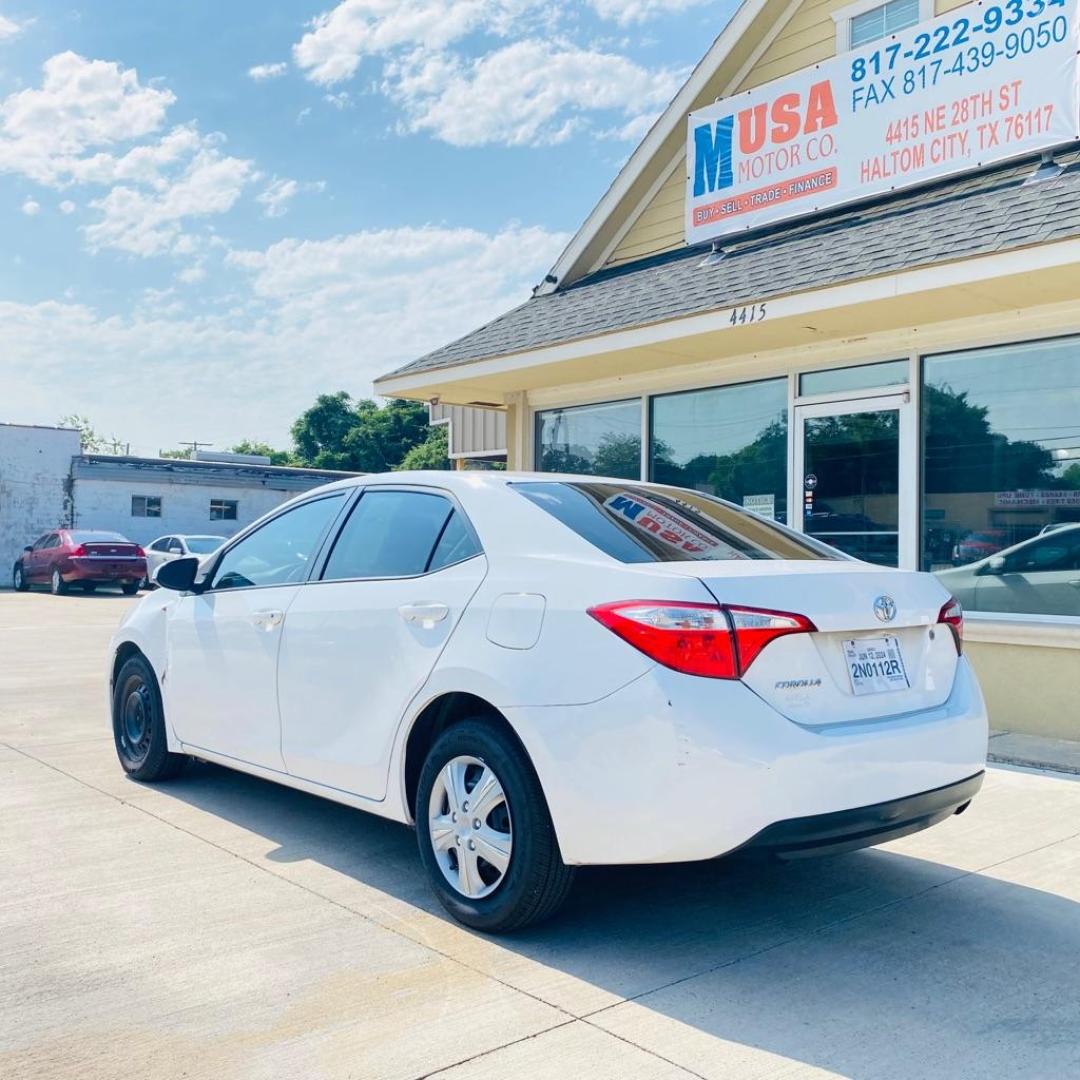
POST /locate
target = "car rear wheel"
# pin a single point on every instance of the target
(18, 579)
(139, 724)
(57, 585)
(130, 589)
(484, 831)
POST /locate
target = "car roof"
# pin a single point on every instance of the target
(454, 479)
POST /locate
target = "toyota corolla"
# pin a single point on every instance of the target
(542, 672)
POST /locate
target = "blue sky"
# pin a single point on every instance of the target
(215, 211)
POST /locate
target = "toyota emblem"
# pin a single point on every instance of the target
(885, 608)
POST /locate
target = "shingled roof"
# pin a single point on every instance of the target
(980, 214)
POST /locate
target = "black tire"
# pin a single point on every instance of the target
(130, 589)
(139, 724)
(536, 881)
(57, 585)
(18, 579)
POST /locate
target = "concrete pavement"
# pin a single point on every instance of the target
(220, 926)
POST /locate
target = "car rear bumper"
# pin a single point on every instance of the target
(103, 571)
(673, 768)
(864, 826)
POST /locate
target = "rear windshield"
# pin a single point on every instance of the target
(203, 545)
(84, 536)
(638, 524)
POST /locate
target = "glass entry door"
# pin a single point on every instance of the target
(853, 481)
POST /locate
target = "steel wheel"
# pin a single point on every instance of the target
(17, 580)
(136, 721)
(469, 826)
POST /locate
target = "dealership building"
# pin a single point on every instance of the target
(838, 283)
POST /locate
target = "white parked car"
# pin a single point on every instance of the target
(546, 671)
(166, 548)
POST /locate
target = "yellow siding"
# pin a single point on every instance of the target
(808, 38)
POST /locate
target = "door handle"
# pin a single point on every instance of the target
(267, 620)
(427, 615)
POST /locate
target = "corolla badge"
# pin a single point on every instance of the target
(885, 608)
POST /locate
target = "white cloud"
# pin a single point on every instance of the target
(310, 317)
(31, 208)
(150, 223)
(81, 104)
(529, 93)
(635, 11)
(93, 122)
(339, 39)
(191, 275)
(275, 197)
(67, 207)
(262, 72)
(8, 28)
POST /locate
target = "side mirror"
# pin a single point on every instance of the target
(178, 574)
(28, 549)
(995, 565)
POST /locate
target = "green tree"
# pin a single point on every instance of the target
(90, 442)
(432, 453)
(250, 446)
(184, 454)
(358, 436)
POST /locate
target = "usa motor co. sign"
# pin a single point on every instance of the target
(987, 82)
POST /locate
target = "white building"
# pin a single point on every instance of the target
(35, 470)
(145, 498)
(46, 483)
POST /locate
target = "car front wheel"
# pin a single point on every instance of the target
(485, 834)
(18, 579)
(139, 724)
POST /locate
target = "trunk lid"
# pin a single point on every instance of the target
(808, 677)
(115, 549)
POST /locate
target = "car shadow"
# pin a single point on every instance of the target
(872, 964)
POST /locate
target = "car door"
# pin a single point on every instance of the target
(155, 555)
(360, 642)
(220, 685)
(32, 559)
(45, 556)
(1041, 577)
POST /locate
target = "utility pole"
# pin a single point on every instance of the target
(194, 445)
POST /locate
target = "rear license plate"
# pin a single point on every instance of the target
(875, 665)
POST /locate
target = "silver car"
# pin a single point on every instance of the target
(1039, 576)
(166, 548)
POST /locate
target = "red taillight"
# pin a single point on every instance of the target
(712, 640)
(139, 553)
(79, 552)
(952, 615)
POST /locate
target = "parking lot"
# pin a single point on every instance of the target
(221, 926)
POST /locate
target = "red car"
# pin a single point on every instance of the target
(81, 557)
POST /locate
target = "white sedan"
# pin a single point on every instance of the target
(542, 672)
(166, 548)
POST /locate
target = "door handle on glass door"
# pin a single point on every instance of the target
(425, 614)
(267, 620)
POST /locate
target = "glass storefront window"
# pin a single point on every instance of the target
(597, 440)
(1001, 477)
(863, 377)
(729, 441)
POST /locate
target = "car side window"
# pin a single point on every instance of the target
(40, 542)
(161, 545)
(280, 552)
(389, 534)
(456, 544)
(1054, 553)
(175, 547)
(52, 540)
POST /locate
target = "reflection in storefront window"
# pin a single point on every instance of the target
(597, 440)
(1001, 477)
(729, 441)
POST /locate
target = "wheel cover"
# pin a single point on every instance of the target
(18, 577)
(469, 827)
(136, 721)
(57, 581)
